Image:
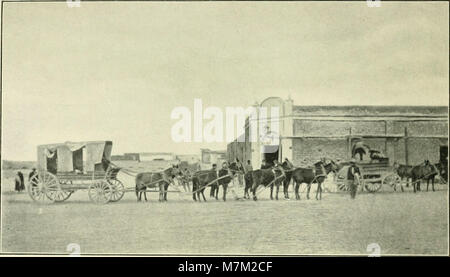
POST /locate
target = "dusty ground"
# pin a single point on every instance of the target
(401, 223)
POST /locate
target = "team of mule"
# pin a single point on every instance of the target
(273, 177)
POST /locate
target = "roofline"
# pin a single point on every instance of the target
(85, 142)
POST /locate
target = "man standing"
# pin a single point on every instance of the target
(248, 167)
(239, 176)
(186, 179)
(215, 185)
(233, 183)
(353, 177)
(32, 173)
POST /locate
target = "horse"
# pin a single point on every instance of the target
(404, 171)
(248, 180)
(423, 171)
(184, 178)
(265, 177)
(232, 170)
(443, 171)
(199, 181)
(308, 176)
(287, 180)
(159, 180)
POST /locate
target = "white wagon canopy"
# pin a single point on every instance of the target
(64, 168)
(84, 157)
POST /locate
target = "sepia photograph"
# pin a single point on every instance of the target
(224, 128)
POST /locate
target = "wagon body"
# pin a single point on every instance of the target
(374, 175)
(63, 168)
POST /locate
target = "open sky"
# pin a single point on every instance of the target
(115, 70)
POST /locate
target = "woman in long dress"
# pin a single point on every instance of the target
(17, 183)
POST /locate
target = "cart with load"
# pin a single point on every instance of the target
(374, 175)
(64, 168)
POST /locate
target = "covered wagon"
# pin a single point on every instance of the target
(64, 168)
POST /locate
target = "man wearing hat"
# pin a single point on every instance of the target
(32, 174)
(353, 177)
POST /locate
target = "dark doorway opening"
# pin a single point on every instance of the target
(443, 153)
(52, 163)
(78, 159)
(271, 153)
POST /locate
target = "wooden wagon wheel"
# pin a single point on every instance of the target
(43, 186)
(100, 192)
(372, 186)
(392, 180)
(118, 189)
(342, 186)
(59, 195)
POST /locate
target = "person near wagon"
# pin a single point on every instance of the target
(19, 186)
(212, 191)
(240, 176)
(186, 179)
(232, 184)
(353, 177)
(32, 174)
(248, 167)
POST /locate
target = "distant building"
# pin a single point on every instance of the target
(125, 157)
(132, 156)
(156, 156)
(191, 159)
(210, 157)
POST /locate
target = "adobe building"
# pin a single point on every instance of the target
(210, 157)
(406, 134)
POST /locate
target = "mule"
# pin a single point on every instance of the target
(288, 170)
(443, 171)
(266, 177)
(308, 176)
(199, 181)
(160, 180)
(404, 171)
(423, 171)
(248, 180)
(233, 170)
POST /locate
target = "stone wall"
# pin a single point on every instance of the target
(327, 138)
(307, 151)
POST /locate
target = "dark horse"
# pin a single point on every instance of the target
(404, 171)
(266, 177)
(443, 171)
(424, 171)
(159, 180)
(286, 181)
(199, 181)
(248, 179)
(232, 170)
(308, 176)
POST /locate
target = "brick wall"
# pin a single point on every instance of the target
(306, 150)
(419, 149)
(337, 128)
(421, 128)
